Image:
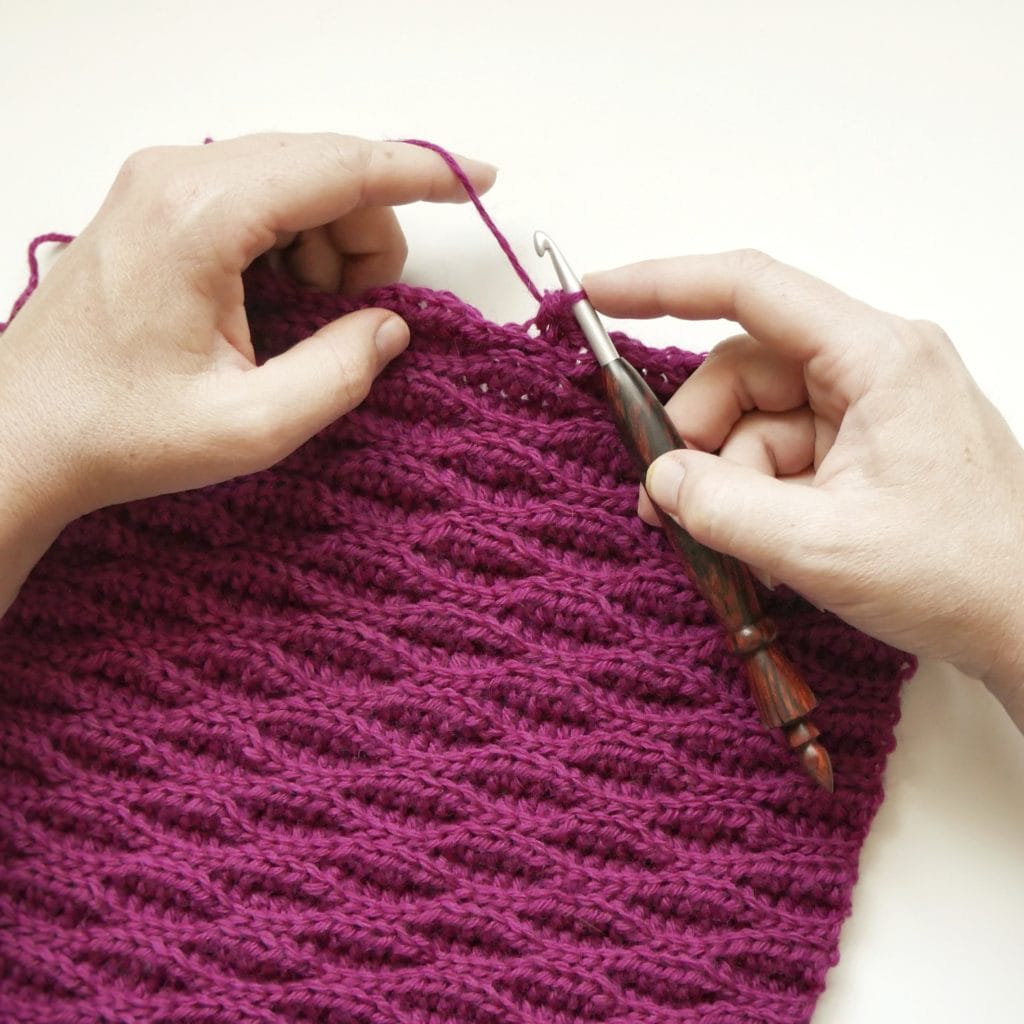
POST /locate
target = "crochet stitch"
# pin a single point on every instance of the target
(421, 725)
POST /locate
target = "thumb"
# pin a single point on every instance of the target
(780, 527)
(324, 376)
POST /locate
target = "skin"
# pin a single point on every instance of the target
(845, 452)
(130, 373)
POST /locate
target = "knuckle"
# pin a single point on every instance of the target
(346, 143)
(923, 341)
(343, 158)
(171, 191)
(732, 350)
(258, 435)
(142, 160)
(348, 152)
(751, 261)
(352, 381)
(178, 193)
(351, 391)
(930, 333)
(139, 169)
(180, 206)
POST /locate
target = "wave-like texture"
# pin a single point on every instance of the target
(422, 725)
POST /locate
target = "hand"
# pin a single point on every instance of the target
(857, 461)
(130, 372)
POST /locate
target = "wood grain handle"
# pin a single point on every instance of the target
(782, 697)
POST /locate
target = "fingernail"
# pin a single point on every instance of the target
(391, 338)
(645, 511)
(664, 478)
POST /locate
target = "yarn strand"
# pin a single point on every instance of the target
(33, 272)
(453, 164)
(474, 198)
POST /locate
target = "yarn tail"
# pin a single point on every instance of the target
(502, 241)
(33, 273)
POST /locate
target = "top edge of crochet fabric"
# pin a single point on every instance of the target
(421, 725)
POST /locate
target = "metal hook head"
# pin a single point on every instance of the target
(545, 247)
(585, 314)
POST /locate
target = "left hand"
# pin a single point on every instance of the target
(130, 372)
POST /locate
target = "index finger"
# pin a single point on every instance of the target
(285, 183)
(796, 314)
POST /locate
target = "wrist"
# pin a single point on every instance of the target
(1004, 673)
(1005, 677)
(36, 496)
(31, 518)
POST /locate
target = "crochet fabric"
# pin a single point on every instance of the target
(422, 725)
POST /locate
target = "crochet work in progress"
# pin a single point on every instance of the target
(422, 725)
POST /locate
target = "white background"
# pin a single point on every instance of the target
(877, 144)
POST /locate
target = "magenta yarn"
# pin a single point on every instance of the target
(422, 725)
(33, 273)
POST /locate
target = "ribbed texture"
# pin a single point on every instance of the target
(423, 725)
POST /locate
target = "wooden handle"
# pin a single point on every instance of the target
(782, 697)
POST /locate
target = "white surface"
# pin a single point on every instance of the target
(877, 144)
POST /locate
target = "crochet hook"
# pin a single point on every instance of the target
(784, 701)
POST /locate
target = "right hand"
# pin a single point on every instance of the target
(912, 526)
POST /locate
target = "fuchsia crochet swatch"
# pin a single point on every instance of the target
(422, 725)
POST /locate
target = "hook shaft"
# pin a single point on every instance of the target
(783, 699)
(586, 316)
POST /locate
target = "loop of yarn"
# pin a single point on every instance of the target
(422, 726)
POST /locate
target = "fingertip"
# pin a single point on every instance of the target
(473, 167)
(452, 186)
(665, 479)
(488, 175)
(481, 175)
(391, 338)
(595, 282)
(645, 509)
(614, 292)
